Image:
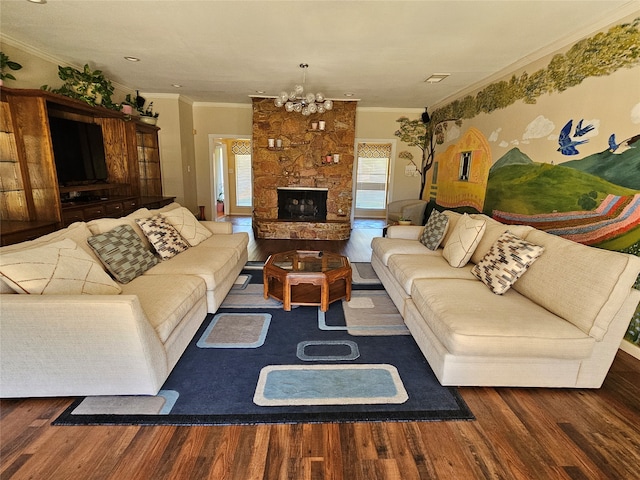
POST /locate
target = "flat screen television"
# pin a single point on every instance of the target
(78, 150)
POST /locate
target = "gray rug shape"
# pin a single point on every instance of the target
(362, 273)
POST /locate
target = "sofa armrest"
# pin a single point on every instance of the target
(218, 228)
(69, 345)
(408, 232)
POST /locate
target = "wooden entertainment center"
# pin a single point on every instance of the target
(33, 202)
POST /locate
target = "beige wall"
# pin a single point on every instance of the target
(223, 120)
(380, 124)
(38, 70)
(170, 143)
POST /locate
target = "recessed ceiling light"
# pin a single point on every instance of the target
(132, 59)
(349, 94)
(176, 85)
(437, 77)
(41, 2)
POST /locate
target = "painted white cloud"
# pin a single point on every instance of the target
(635, 113)
(453, 132)
(503, 144)
(515, 142)
(494, 135)
(540, 127)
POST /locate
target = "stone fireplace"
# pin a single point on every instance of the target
(302, 185)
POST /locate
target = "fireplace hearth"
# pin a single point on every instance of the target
(297, 204)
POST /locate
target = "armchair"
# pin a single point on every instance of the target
(408, 209)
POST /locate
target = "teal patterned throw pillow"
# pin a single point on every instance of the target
(435, 230)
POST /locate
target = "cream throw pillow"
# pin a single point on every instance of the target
(463, 241)
(60, 268)
(187, 225)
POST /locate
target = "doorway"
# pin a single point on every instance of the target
(231, 185)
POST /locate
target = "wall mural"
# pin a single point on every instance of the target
(590, 198)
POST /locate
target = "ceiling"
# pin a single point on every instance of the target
(380, 51)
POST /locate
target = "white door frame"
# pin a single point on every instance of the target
(354, 175)
(212, 170)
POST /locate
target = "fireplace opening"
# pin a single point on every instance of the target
(302, 205)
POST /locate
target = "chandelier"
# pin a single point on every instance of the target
(298, 101)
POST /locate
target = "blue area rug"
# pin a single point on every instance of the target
(217, 386)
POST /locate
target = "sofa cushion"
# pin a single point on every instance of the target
(237, 241)
(507, 260)
(491, 233)
(463, 240)
(590, 292)
(470, 321)
(407, 268)
(166, 299)
(187, 225)
(59, 268)
(163, 237)
(383, 248)
(213, 266)
(103, 225)
(122, 252)
(434, 230)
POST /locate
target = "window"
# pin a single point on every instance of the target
(372, 175)
(465, 166)
(242, 160)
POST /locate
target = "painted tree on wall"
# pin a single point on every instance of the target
(417, 133)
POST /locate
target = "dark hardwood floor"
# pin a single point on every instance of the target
(519, 433)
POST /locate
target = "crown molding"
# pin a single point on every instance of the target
(50, 58)
(624, 13)
(389, 110)
(222, 105)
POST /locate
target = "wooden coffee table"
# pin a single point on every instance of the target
(301, 277)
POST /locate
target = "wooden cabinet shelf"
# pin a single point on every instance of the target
(92, 187)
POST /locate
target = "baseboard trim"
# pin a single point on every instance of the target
(631, 348)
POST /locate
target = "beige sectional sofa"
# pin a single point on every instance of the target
(120, 343)
(559, 325)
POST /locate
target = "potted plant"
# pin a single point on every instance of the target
(4, 64)
(404, 221)
(87, 85)
(148, 116)
(133, 103)
(220, 203)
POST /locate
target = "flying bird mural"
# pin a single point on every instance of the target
(624, 145)
(567, 144)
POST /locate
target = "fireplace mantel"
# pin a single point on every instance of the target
(319, 189)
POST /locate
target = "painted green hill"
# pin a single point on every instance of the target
(622, 169)
(512, 157)
(543, 188)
